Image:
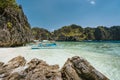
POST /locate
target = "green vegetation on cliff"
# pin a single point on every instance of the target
(72, 32)
(41, 34)
(77, 33)
(8, 3)
(14, 27)
(89, 33)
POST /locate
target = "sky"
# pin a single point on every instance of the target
(53, 14)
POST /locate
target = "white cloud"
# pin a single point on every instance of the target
(93, 2)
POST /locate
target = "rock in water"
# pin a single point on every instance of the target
(78, 68)
(14, 27)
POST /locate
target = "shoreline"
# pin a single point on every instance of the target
(59, 56)
(76, 68)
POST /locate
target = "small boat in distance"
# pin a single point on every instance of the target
(45, 44)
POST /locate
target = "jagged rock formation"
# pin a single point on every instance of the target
(41, 34)
(69, 33)
(36, 69)
(75, 68)
(77, 33)
(14, 27)
(78, 68)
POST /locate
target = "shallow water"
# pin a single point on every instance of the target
(104, 56)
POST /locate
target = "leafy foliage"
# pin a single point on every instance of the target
(9, 25)
(70, 33)
(77, 33)
(8, 3)
(40, 33)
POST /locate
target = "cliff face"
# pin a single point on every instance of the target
(14, 27)
(77, 33)
(41, 34)
(115, 32)
(69, 33)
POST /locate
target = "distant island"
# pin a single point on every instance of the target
(77, 33)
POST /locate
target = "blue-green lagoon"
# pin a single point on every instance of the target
(104, 56)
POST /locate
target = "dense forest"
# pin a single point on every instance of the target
(41, 33)
(78, 33)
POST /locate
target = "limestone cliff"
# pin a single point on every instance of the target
(41, 34)
(69, 33)
(14, 27)
(77, 33)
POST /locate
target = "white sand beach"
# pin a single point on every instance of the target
(51, 56)
(99, 57)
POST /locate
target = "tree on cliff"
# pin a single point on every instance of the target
(41, 34)
(77, 33)
(7, 3)
(70, 33)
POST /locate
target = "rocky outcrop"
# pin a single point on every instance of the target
(77, 33)
(75, 68)
(15, 63)
(38, 69)
(14, 27)
(69, 33)
(41, 34)
(78, 68)
(17, 69)
(6, 69)
(1, 64)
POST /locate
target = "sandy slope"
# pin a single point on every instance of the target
(51, 56)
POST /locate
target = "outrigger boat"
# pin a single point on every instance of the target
(45, 44)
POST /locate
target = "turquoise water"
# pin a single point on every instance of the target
(109, 48)
(104, 56)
